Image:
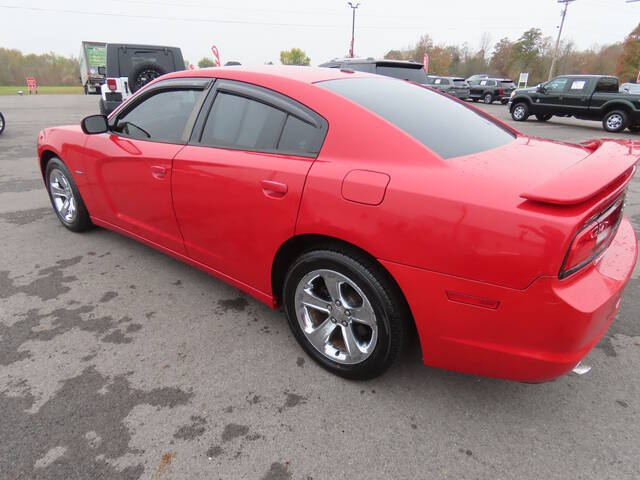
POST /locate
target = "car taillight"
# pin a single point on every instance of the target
(111, 84)
(592, 239)
(500, 91)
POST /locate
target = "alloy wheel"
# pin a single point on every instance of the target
(62, 195)
(336, 316)
(519, 112)
(614, 122)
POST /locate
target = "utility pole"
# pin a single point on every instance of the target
(555, 53)
(353, 25)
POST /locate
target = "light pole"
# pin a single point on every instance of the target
(555, 53)
(353, 25)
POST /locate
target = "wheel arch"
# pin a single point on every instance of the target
(515, 100)
(624, 105)
(44, 159)
(299, 244)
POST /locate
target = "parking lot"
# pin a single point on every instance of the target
(117, 361)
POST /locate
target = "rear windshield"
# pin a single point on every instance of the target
(459, 82)
(411, 73)
(130, 58)
(445, 126)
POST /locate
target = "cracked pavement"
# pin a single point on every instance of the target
(118, 362)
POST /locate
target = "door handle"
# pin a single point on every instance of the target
(158, 171)
(274, 189)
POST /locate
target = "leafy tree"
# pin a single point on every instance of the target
(629, 60)
(295, 56)
(501, 58)
(206, 62)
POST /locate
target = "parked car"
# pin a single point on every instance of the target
(458, 87)
(491, 89)
(404, 70)
(478, 76)
(130, 67)
(93, 60)
(508, 253)
(587, 97)
(633, 88)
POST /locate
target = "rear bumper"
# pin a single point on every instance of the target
(534, 335)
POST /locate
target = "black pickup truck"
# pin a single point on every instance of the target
(587, 97)
(490, 89)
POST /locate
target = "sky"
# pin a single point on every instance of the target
(254, 32)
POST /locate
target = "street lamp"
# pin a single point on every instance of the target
(353, 25)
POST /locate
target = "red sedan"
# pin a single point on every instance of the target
(364, 206)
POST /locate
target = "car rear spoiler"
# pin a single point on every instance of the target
(610, 164)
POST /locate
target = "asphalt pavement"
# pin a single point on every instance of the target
(117, 361)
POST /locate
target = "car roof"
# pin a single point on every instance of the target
(290, 72)
(136, 45)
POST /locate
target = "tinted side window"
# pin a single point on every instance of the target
(300, 137)
(130, 58)
(433, 119)
(607, 85)
(239, 122)
(161, 117)
(556, 85)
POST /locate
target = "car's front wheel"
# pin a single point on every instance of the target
(488, 98)
(345, 312)
(65, 197)
(520, 112)
(615, 121)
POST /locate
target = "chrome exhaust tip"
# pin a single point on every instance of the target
(581, 369)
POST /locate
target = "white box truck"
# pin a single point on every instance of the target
(93, 63)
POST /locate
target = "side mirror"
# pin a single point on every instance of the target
(94, 124)
(102, 70)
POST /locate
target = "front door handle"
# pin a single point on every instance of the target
(158, 171)
(274, 189)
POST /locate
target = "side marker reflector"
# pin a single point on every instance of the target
(467, 299)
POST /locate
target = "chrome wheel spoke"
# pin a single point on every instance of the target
(353, 350)
(332, 281)
(320, 336)
(62, 195)
(57, 191)
(364, 315)
(308, 299)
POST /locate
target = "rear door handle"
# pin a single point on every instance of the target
(274, 189)
(158, 171)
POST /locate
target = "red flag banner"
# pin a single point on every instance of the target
(425, 62)
(216, 54)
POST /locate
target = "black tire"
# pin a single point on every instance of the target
(81, 221)
(615, 121)
(1, 123)
(520, 111)
(543, 118)
(86, 90)
(504, 101)
(143, 74)
(102, 107)
(391, 313)
(487, 98)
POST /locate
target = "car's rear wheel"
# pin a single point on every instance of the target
(520, 112)
(488, 98)
(345, 312)
(543, 118)
(615, 121)
(65, 197)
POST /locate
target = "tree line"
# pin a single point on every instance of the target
(532, 52)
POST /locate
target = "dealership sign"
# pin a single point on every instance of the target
(216, 55)
(425, 62)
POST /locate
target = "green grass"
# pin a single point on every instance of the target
(42, 90)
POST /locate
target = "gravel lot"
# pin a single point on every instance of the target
(119, 362)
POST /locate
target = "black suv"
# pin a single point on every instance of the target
(404, 70)
(130, 67)
(490, 89)
(457, 87)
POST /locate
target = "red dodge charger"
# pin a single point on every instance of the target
(365, 206)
